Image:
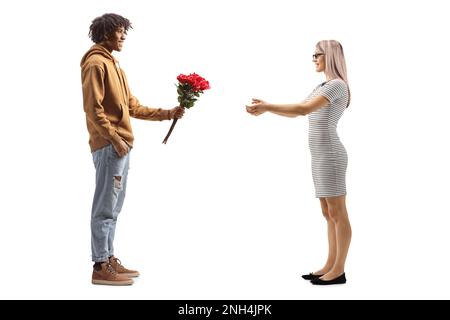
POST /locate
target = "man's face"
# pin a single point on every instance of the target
(115, 39)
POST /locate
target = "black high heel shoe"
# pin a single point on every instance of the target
(311, 276)
(339, 280)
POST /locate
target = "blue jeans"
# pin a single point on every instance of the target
(111, 174)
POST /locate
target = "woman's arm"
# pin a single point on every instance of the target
(284, 114)
(258, 107)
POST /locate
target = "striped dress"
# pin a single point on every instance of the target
(329, 158)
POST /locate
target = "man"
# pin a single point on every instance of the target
(109, 104)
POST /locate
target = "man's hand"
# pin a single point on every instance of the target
(176, 113)
(121, 148)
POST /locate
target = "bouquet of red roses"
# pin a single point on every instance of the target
(189, 88)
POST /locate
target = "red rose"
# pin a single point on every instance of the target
(196, 82)
(189, 89)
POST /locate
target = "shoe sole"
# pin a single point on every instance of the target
(130, 275)
(113, 283)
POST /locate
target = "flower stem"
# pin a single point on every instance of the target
(170, 130)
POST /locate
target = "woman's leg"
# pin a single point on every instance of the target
(331, 229)
(337, 212)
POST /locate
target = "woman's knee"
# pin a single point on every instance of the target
(334, 214)
(337, 214)
(324, 207)
(326, 214)
(336, 208)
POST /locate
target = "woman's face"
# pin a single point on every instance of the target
(319, 60)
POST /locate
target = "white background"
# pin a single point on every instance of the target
(226, 209)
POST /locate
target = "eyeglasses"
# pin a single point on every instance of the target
(317, 55)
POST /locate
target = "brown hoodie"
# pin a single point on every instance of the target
(108, 102)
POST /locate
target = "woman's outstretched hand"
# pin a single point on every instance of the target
(257, 107)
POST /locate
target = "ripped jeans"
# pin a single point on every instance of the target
(111, 174)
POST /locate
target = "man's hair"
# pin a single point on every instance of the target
(106, 24)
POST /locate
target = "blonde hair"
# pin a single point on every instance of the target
(335, 66)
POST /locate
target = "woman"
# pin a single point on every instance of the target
(325, 105)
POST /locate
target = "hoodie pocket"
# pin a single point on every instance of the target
(125, 113)
(121, 109)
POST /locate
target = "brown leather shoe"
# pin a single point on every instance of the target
(120, 269)
(108, 276)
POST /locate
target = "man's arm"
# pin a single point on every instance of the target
(145, 113)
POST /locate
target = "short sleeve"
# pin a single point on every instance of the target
(333, 90)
